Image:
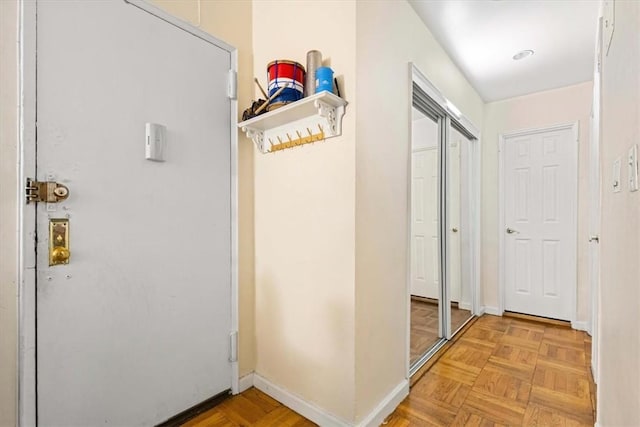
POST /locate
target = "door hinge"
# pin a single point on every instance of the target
(45, 191)
(233, 346)
(232, 90)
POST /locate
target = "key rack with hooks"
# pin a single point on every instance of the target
(311, 119)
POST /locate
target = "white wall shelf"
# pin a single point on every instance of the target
(314, 118)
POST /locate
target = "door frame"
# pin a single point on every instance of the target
(595, 189)
(573, 127)
(27, 384)
(416, 76)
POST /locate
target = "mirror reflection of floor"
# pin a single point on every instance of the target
(424, 324)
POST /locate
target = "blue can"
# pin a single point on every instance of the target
(324, 79)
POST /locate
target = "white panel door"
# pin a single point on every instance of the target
(136, 327)
(540, 176)
(425, 258)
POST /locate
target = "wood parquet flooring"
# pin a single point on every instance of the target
(509, 372)
(249, 408)
(500, 372)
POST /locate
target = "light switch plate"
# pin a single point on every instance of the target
(616, 175)
(155, 145)
(633, 168)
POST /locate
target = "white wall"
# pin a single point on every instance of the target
(230, 21)
(565, 105)
(304, 220)
(619, 388)
(8, 210)
(389, 36)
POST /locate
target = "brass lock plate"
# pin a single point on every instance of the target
(58, 241)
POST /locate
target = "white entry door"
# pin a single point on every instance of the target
(540, 199)
(135, 328)
(425, 258)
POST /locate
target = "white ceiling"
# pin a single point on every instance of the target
(481, 37)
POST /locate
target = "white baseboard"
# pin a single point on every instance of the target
(492, 310)
(322, 417)
(304, 408)
(245, 383)
(579, 325)
(386, 406)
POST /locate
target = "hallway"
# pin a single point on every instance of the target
(502, 370)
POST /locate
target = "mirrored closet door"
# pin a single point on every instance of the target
(442, 241)
(426, 326)
(459, 231)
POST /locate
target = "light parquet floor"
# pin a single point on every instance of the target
(502, 371)
(508, 372)
(250, 408)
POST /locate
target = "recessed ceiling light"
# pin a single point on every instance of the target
(522, 54)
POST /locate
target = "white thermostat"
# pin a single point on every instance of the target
(155, 147)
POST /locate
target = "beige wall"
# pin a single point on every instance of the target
(565, 105)
(304, 220)
(230, 21)
(389, 36)
(331, 290)
(8, 210)
(619, 388)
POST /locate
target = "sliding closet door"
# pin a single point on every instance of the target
(426, 283)
(459, 236)
(441, 235)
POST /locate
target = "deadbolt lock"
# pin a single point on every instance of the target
(45, 191)
(59, 241)
(61, 192)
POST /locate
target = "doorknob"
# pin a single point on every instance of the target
(512, 231)
(59, 242)
(594, 239)
(455, 230)
(60, 255)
